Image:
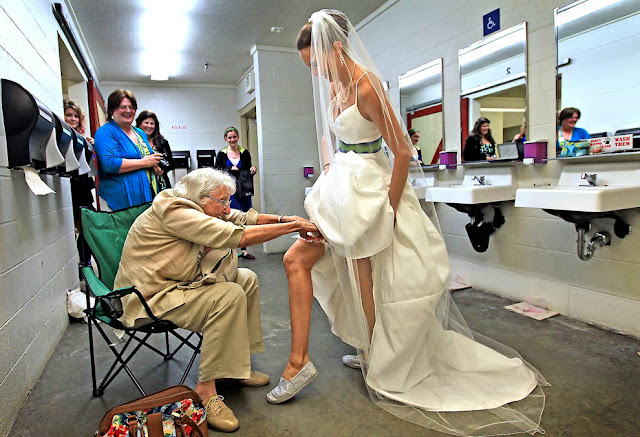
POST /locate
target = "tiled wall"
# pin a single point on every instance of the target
(200, 113)
(37, 248)
(533, 254)
(286, 133)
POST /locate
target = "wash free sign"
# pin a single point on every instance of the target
(491, 22)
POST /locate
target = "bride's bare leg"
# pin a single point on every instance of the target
(298, 262)
(365, 278)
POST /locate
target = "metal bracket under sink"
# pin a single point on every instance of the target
(479, 230)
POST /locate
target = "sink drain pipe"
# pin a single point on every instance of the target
(587, 250)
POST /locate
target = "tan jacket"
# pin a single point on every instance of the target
(164, 247)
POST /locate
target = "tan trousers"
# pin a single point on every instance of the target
(228, 316)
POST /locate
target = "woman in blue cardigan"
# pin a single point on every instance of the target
(126, 161)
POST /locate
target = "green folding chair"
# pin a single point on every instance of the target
(105, 233)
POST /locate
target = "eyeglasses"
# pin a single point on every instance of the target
(224, 203)
(125, 107)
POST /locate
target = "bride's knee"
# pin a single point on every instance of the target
(301, 257)
(293, 260)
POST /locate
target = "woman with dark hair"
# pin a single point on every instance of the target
(148, 122)
(127, 164)
(236, 161)
(381, 274)
(571, 139)
(480, 144)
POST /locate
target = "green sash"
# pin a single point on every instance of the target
(371, 147)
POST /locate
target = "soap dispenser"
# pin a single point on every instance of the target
(29, 127)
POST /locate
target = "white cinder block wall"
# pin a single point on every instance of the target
(600, 94)
(533, 254)
(37, 248)
(243, 98)
(286, 133)
(204, 110)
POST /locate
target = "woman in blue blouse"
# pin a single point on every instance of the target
(571, 139)
(126, 161)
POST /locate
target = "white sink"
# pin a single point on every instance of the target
(419, 181)
(617, 187)
(499, 186)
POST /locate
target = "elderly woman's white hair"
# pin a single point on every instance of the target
(198, 184)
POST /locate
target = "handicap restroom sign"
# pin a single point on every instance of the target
(491, 22)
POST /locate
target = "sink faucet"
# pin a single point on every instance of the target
(479, 179)
(590, 177)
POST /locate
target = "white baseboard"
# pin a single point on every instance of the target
(619, 314)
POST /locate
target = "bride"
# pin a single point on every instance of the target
(381, 273)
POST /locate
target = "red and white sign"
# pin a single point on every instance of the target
(612, 144)
(179, 127)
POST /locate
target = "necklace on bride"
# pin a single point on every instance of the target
(346, 97)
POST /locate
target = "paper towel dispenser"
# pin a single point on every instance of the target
(29, 127)
(206, 158)
(182, 159)
(81, 149)
(65, 137)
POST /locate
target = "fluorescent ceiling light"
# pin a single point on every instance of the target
(160, 63)
(580, 9)
(180, 6)
(159, 76)
(419, 74)
(164, 27)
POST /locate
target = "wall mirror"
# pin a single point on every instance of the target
(493, 85)
(598, 64)
(421, 108)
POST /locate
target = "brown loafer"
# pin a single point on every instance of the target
(219, 416)
(257, 379)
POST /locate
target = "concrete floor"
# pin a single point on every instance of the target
(594, 376)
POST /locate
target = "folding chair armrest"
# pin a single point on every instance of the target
(98, 289)
(125, 291)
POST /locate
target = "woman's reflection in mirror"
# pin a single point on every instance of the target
(480, 145)
(414, 134)
(572, 140)
(521, 136)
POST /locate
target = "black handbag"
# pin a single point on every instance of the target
(245, 184)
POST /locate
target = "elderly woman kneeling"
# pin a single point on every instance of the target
(180, 254)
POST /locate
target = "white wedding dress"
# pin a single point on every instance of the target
(422, 354)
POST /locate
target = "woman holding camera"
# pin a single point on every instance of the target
(127, 164)
(148, 122)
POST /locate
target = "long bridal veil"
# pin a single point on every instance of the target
(423, 363)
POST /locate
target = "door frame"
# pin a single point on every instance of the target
(421, 113)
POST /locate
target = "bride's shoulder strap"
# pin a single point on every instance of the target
(358, 81)
(376, 84)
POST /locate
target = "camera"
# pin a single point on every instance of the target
(163, 163)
